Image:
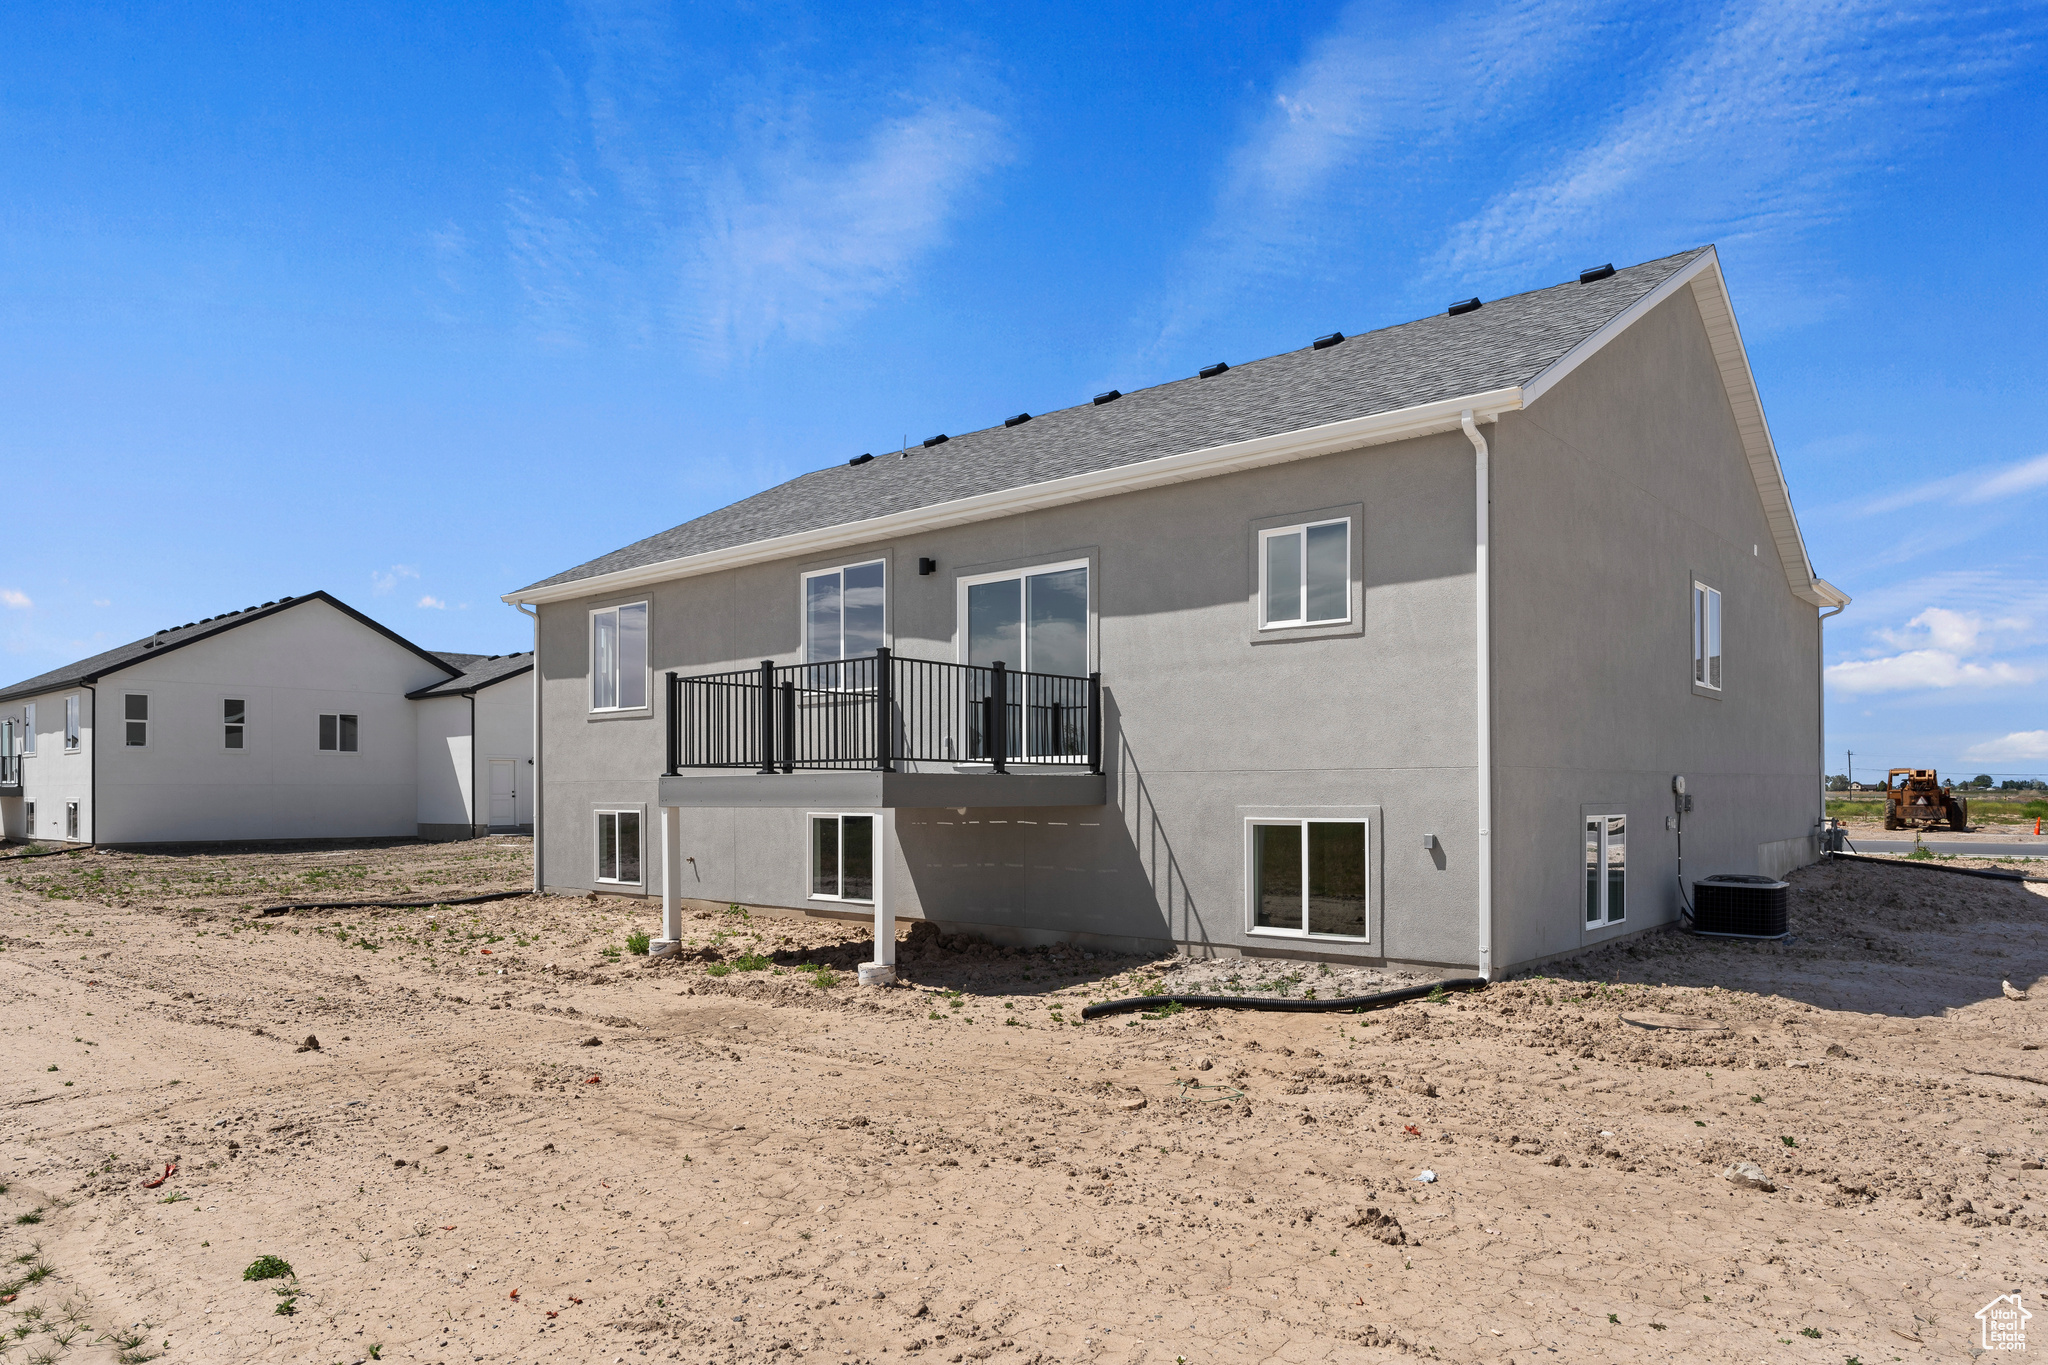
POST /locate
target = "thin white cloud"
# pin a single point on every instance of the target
(1762, 127)
(1971, 488)
(2021, 746)
(18, 600)
(432, 603)
(387, 580)
(1922, 670)
(103, 601)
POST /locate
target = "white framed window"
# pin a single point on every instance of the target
(1033, 619)
(234, 723)
(1606, 869)
(1706, 636)
(846, 612)
(71, 730)
(339, 732)
(135, 720)
(1307, 878)
(28, 729)
(618, 658)
(618, 847)
(71, 819)
(28, 818)
(842, 858)
(1305, 574)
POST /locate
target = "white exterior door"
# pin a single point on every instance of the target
(504, 792)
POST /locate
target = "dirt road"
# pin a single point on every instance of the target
(517, 1142)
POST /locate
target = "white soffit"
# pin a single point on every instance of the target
(1376, 429)
(1710, 295)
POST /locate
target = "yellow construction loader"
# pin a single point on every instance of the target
(1915, 797)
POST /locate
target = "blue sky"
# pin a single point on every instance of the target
(420, 303)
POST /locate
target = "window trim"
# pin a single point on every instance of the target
(1265, 534)
(646, 708)
(597, 814)
(29, 819)
(1256, 630)
(1700, 622)
(148, 721)
(74, 723)
(1252, 926)
(225, 725)
(962, 582)
(803, 606)
(1602, 814)
(875, 852)
(28, 734)
(72, 824)
(339, 716)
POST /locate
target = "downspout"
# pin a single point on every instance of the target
(539, 879)
(1820, 686)
(472, 765)
(92, 772)
(1482, 596)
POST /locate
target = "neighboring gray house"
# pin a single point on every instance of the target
(1388, 648)
(296, 719)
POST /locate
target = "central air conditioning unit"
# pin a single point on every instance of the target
(1735, 905)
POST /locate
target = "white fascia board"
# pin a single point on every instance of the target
(1710, 294)
(1376, 429)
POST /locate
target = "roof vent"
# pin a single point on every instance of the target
(1109, 397)
(187, 626)
(937, 440)
(282, 600)
(1019, 420)
(1598, 272)
(1464, 306)
(270, 604)
(1211, 371)
(1324, 343)
(860, 459)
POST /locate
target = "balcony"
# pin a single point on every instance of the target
(10, 774)
(883, 731)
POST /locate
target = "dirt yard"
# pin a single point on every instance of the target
(517, 1141)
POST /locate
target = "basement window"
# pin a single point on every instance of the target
(338, 733)
(71, 819)
(843, 858)
(1606, 869)
(1308, 878)
(1706, 636)
(618, 846)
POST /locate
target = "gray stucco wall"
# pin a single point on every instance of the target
(1202, 726)
(1610, 496)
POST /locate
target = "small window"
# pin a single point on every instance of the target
(1706, 636)
(234, 719)
(71, 819)
(338, 733)
(28, 812)
(845, 612)
(135, 720)
(1305, 575)
(618, 846)
(1606, 869)
(618, 658)
(843, 857)
(71, 725)
(1308, 878)
(28, 728)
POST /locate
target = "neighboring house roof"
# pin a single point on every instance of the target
(484, 670)
(191, 633)
(1400, 381)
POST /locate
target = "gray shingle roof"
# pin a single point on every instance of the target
(479, 672)
(177, 637)
(1507, 342)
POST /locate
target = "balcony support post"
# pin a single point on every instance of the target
(767, 717)
(885, 691)
(1095, 722)
(999, 717)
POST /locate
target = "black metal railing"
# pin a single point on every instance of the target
(10, 770)
(879, 711)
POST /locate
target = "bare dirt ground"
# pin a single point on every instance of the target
(516, 1141)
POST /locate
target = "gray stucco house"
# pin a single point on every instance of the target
(1386, 649)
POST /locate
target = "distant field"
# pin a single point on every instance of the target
(1986, 808)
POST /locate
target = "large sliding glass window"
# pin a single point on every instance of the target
(843, 857)
(1606, 869)
(1308, 877)
(1305, 575)
(1033, 621)
(845, 612)
(618, 658)
(618, 846)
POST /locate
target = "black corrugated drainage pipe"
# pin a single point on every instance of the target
(1341, 1005)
